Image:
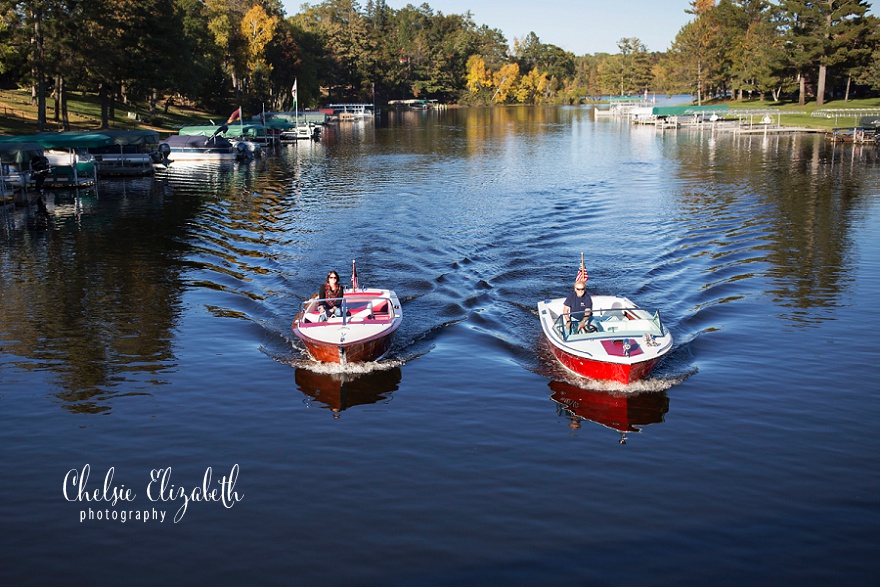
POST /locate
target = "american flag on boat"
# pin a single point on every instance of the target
(582, 272)
(354, 276)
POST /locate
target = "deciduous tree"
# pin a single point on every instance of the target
(532, 87)
(505, 80)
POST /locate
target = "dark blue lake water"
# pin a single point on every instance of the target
(145, 337)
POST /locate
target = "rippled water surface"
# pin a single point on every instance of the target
(147, 327)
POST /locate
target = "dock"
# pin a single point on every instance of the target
(721, 118)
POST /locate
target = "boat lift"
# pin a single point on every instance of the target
(858, 132)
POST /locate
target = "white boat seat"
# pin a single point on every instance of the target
(629, 326)
(365, 314)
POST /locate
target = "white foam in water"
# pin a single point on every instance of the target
(347, 369)
(650, 384)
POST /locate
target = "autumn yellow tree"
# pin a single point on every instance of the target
(258, 29)
(221, 16)
(532, 87)
(479, 76)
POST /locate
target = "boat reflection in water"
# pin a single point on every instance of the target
(340, 391)
(622, 412)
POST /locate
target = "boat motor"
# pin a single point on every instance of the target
(39, 171)
(242, 151)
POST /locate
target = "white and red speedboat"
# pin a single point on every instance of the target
(362, 333)
(623, 344)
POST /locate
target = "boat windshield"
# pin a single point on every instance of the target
(355, 308)
(609, 323)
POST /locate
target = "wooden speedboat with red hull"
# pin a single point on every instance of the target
(362, 333)
(625, 344)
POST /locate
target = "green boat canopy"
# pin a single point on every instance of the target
(19, 152)
(296, 117)
(71, 140)
(278, 124)
(87, 139)
(132, 137)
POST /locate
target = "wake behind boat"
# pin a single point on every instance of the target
(362, 333)
(624, 343)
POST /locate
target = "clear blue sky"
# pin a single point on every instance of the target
(578, 26)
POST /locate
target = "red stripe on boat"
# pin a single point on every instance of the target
(615, 347)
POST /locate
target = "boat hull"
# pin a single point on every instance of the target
(200, 148)
(124, 165)
(357, 352)
(202, 156)
(302, 132)
(622, 373)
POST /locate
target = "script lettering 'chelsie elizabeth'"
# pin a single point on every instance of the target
(75, 488)
(160, 488)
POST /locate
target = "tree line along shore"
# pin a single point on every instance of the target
(18, 115)
(158, 65)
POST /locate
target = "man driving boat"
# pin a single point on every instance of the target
(578, 303)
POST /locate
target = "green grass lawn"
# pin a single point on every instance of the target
(18, 116)
(807, 120)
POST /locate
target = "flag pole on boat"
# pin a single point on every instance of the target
(293, 93)
(582, 272)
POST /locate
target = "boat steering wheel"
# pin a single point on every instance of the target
(589, 327)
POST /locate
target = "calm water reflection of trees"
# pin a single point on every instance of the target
(91, 292)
